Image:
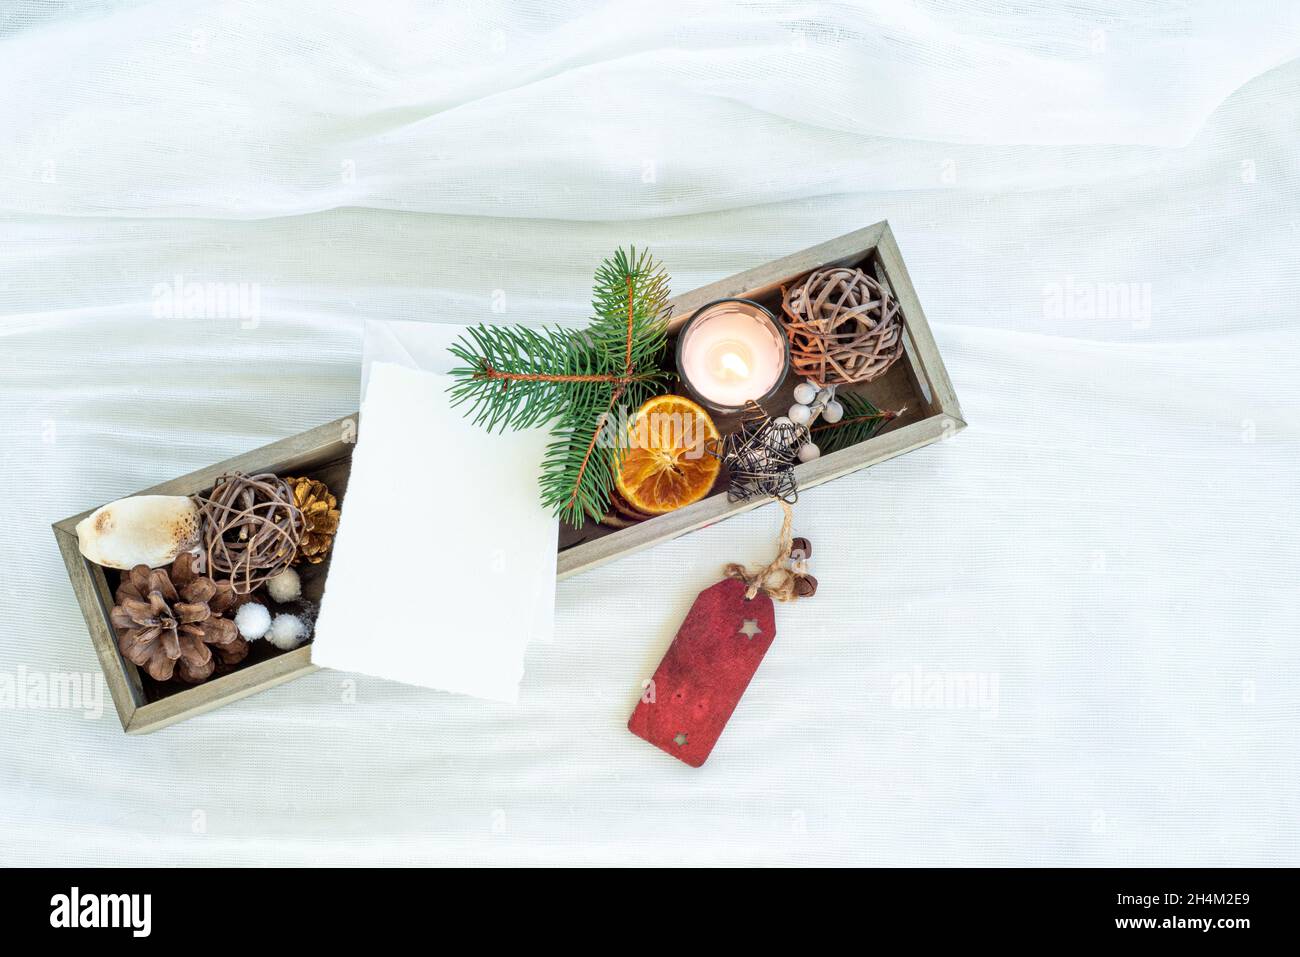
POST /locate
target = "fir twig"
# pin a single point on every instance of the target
(515, 377)
(861, 421)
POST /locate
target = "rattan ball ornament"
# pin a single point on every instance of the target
(251, 528)
(844, 327)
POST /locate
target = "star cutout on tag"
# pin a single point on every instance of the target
(750, 628)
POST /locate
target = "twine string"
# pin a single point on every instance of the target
(774, 579)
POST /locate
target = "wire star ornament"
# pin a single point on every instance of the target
(760, 456)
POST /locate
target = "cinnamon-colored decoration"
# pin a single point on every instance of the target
(621, 514)
(251, 528)
(170, 622)
(320, 516)
(843, 326)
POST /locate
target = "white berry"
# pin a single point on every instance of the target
(804, 393)
(252, 620)
(800, 414)
(833, 412)
(285, 586)
(808, 451)
(287, 631)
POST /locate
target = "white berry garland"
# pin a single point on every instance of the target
(811, 401)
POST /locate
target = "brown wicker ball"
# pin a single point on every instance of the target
(251, 528)
(843, 326)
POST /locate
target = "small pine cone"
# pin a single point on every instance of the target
(232, 654)
(170, 621)
(320, 513)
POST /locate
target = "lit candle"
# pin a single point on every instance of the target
(730, 352)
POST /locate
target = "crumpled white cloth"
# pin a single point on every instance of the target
(1067, 636)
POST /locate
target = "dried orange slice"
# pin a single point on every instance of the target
(666, 465)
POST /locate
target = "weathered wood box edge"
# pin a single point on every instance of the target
(326, 451)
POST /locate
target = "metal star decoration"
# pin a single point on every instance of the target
(760, 456)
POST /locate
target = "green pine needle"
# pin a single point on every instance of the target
(861, 421)
(517, 377)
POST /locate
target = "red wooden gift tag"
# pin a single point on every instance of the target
(705, 671)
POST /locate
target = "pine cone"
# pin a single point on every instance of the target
(320, 512)
(167, 618)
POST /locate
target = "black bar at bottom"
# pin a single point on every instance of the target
(211, 906)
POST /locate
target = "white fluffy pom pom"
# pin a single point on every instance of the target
(804, 393)
(252, 620)
(285, 586)
(287, 632)
(807, 452)
(800, 414)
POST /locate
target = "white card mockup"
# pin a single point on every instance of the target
(443, 568)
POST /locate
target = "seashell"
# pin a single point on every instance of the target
(139, 530)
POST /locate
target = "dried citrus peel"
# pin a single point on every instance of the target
(666, 466)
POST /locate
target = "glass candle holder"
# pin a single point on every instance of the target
(732, 351)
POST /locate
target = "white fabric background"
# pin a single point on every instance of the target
(1114, 538)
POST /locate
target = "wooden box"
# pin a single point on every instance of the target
(144, 705)
(917, 382)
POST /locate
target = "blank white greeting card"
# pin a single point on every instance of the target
(426, 346)
(443, 568)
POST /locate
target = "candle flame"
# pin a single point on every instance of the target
(734, 364)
